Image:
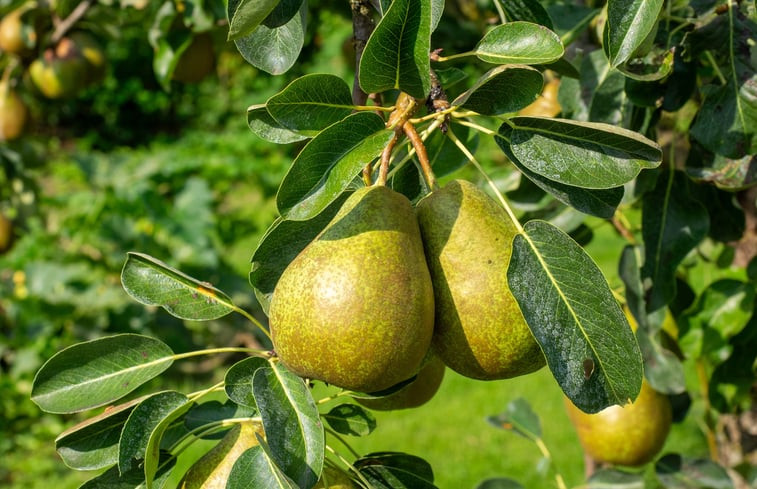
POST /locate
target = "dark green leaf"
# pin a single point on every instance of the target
(629, 270)
(656, 65)
(212, 412)
(502, 89)
(726, 173)
(499, 483)
(350, 419)
(662, 368)
(266, 127)
(526, 10)
(731, 381)
(97, 372)
(246, 15)
(570, 19)
(134, 479)
(311, 103)
(394, 470)
(152, 462)
(329, 163)
(519, 418)
(238, 380)
(629, 22)
(615, 479)
(673, 223)
(520, 43)
(572, 313)
(397, 53)
(140, 425)
(152, 282)
(256, 467)
(677, 472)
(581, 154)
(291, 422)
(274, 49)
(450, 76)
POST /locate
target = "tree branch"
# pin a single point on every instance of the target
(63, 26)
(362, 27)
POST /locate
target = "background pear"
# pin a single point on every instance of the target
(625, 435)
(416, 394)
(355, 308)
(479, 329)
(212, 470)
(13, 113)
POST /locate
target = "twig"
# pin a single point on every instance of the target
(63, 26)
(362, 27)
(420, 151)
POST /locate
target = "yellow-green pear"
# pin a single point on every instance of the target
(355, 308)
(13, 113)
(415, 394)
(332, 478)
(6, 233)
(212, 470)
(17, 36)
(61, 72)
(479, 329)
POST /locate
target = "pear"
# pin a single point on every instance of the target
(625, 435)
(415, 394)
(479, 329)
(16, 35)
(61, 72)
(197, 61)
(212, 470)
(356, 308)
(13, 113)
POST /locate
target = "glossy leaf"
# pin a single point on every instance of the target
(142, 421)
(615, 479)
(311, 103)
(209, 412)
(526, 10)
(350, 419)
(97, 372)
(291, 422)
(153, 283)
(677, 472)
(581, 154)
(574, 317)
(266, 127)
(246, 15)
(397, 53)
(275, 49)
(499, 483)
(673, 223)
(656, 65)
(662, 368)
(629, 22)
(502, 89)
(238, 380)
(256, 467)
(329, 163)
(519, 418)
(133, 479)
(520, 43)
(152, 461)
(395, 470)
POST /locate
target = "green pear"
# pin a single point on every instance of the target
(60, 72)
(479, 329)
(625, 435)
(13, 113)
(333, 478)
(415, 394)
(355, 308)
(17, 35)
(212, 470)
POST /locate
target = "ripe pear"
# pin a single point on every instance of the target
(212, 470)
(16, 36)
(197, 61)
(417, 393)
(547, 104)
(479, 330)
(61, 72)
(92, 53)
(356, 308)
(332, 478)
(625, 435)
(13, 113)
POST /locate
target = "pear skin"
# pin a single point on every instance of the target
(479, 329)
(356, 308)
(212, 470)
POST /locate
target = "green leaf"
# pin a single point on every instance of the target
(499, 483)
(519, 418)
(275, 49)
(677, 472)
(350, 419)
(266, 127)
(615, 479)
(211, 412)
(246, 15)
(396, 55)
(311, 103)
(581, 154)
(673, 223)
(520, 43)
(726, 173)
(238, 380)
(573, 315)
(628, 24)
(152, 462)
(134, 479)
(526, 10)
(291, 422)
(282, 242)
(656, 65)
(153, 283)
(97, 372)
(329, 163)
(256, 467)
(395, 470)
(502, 89)
(140, 425)
(93, 444)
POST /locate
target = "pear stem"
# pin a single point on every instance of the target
(346, 462)
(546, 454)
(226, 349)
(420, 150)
(252, 319)
(424, 135)
(386, 158)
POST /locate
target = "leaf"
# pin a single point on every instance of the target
(724, 172)
(257, 468)
(499, 483)
(396, 55)
(153, 283)
(238, 380)
(615, 479)
(329, 163)
(673, 223)
(93, 444)
(211, 412)
(502, 89)
(526, 10)
(581, 154)
(266, 127)
(677, 472)
(311, 103)
(142, 421)
(134, 479)
(291, 422)
(282, 242)
(574, 317)
(520, 43)
(662, 368)
(246, 15)
(519, 418)
(97, 372)
(629, 22)
(350, 419)
(656, 65)
(152, 460)
(275, 49)
(395, 470)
